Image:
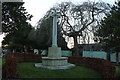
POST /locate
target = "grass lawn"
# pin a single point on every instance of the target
(27, 70)
(118, 70)
(1, 63)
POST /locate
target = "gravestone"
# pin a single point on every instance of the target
(36, 51)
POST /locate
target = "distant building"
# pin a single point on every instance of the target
(91, 47)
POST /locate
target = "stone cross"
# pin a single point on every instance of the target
(54, 31)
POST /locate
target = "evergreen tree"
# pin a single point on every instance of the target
(15, 24)
(109, 31)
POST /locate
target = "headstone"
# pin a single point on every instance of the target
(36, 51)
(44, 52)
(113, 57)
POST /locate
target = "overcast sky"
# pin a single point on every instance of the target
(39, 7)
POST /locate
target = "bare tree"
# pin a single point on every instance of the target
(79, 21)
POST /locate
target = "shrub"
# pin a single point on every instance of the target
(12, 59)
(10, 67)
(106, 68)
(28, 57)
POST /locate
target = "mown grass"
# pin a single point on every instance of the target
(118, 70)
(27, 70)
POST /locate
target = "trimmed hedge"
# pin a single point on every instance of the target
(28, 57)
(106, 68)
(12, 59)
(10, 67)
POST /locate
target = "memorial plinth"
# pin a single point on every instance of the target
(54, 60)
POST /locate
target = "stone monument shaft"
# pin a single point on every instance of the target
(54, 31)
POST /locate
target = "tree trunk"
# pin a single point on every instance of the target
(76, 49)
(117, 58)
(108, 56)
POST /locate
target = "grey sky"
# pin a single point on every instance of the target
(39, 7)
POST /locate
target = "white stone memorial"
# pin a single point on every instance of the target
(54, 60)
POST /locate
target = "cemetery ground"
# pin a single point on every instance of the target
(118, 71)
(27, 70)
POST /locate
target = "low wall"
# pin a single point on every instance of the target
(95, 54)
(100, 54)
(63, 52)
